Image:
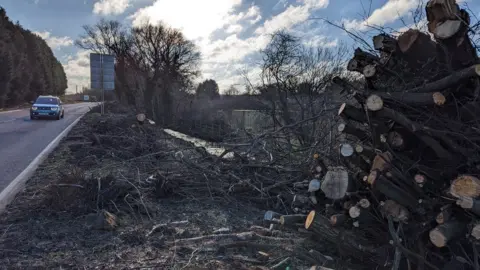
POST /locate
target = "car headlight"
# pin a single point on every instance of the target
(34, 108)
(54, 108)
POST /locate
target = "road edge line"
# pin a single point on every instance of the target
(10, 111)
(9, 193)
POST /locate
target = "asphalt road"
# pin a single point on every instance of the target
(22, 139)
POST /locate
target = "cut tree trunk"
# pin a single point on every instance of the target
(354, 65)
(365, 57)
(451, 34)
(470, 204)
(443, 233)
(368, 152)
(350, 129)
(465, 186)
(369, 71)
(439, 11)
(347, 151)
(445, 214)
(347, 242)
(338, 220)
(270, 215)
(362, 216)
(413, 127)
(393, 191)
(374, 103)
(396, 140)
(385, 43)
(418, 51)
(451, 80)
(314, 185)
(475, 232)
(411, 99)
(337, 183)
(390, 208)
(420, 179)
(350, 112)
(291, 220)
(382, 162)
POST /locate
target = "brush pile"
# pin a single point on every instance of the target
(407, 195)
(135, 195)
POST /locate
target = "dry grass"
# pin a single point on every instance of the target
(134, 172)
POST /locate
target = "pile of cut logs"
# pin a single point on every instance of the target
(407, 194)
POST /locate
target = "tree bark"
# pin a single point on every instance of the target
(443, 233)
(394, 192)
(348, 152)
(350, 129)
(385, 43)
(349, 243)
(412, 99)
(291, 220)
(350, 112)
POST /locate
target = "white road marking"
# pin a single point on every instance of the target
(8, 194)
(10, 111)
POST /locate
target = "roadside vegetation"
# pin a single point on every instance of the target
(28, 67)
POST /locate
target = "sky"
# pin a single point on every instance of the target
(229, 33)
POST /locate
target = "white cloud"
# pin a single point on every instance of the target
(292, 16)
(321, 41)
(199, 21)
(194, 18)
(388, 13)
(234, 28)
(110, 7)
(77, 70)
(232, 48)
(55, 42)
(224, 59)
(253, 15)
(315, 4)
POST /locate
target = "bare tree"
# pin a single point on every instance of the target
(231, 91)
(294, 80)
(163, 60)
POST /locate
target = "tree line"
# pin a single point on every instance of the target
(155, 64)
(28, 67)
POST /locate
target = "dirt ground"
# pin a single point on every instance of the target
(114, 195)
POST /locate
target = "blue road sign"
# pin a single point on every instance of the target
(102, 69)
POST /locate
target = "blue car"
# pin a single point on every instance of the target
(47, 107)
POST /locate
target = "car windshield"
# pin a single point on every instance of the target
(46, 100)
